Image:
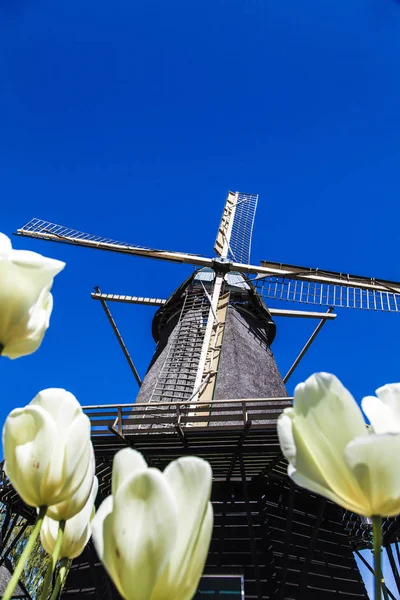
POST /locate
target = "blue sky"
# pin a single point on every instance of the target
(133, 119)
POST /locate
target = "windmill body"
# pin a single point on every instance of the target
(213, 389)
(246, 366)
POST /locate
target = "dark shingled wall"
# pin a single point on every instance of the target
(247, 367)
(156, 364)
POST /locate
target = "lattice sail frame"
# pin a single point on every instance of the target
(242, 230)
(325, 294)
(273, 280)
(236, 228)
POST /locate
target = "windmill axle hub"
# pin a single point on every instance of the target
(222, 265)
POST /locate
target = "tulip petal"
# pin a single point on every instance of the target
(190, 479)
(144, 522)
(77, 455)
(26, 337)
(126, 462)
(285, 434)
(74, 504)
(29, 260)
(384, 411)
(380, 416)
(103, 511)
(303, 469)
(390, 395)
(69, 463)
(199, 556)
(322, 490)
(60, 404)
(326, 419)
(78, 530)
(375, 463)
(48, 534)
(29, 437)
(5, 246)
(184, 588)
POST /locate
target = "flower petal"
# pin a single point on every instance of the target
(375, 463)
(186, 587)
(60, 404)
(26, 337)
(78, 530)
(69, 463)
(384, 411)
(380, 416)
(103, 511)
(285, 435)
(5, 246)
(190, 479)
(35, 262)
(313, 486)
(144, 523)
(326, 419)
(75, 503)
(29, 436)
(125, 463)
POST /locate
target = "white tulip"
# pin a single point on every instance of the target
(25, 300)
(48, 452)
(153, 533)
(77, 530)
(332, 452)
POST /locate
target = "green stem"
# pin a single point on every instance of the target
(24, 556)
(377, 533)
(54, 559)
(62, 571)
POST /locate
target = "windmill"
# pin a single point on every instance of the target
(213, 389)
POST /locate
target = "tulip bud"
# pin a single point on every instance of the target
(48, 452)
(77, 530)
(25, 300)
(148, 551)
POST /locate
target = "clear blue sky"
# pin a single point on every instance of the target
(133, 119)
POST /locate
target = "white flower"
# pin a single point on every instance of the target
(47, 450)
(331, 451)
(77, 530)
(153, 533)
(25, 300)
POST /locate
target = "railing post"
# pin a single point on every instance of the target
(244, 412)
(119, 420)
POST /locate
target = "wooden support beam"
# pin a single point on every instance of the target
(311, 546)
(286, 543)
(252, 538)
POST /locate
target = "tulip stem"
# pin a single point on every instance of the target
(25, 554)
(377, 534)
(62, 572)
(54, 559)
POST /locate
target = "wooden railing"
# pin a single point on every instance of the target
(126, 419)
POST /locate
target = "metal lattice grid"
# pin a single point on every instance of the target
(67, 234)
(326, 294)
(45, 230)
(242, 230)
(178, 374)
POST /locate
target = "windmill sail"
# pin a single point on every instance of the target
(328, 288)
(37, 228)
(236, 228)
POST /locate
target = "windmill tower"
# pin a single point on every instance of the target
(213, 389)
